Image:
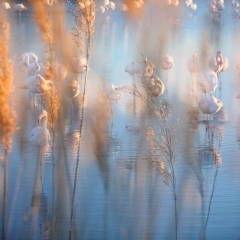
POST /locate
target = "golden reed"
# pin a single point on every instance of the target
(7, 114)
(85, 19)
(42, 18)
(52, 105)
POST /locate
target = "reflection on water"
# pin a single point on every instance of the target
(40, 206)
(221, 115)
(206, 157)
(117, 190)
(73, 139)
(193, 115)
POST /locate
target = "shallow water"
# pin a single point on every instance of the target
(119, 191)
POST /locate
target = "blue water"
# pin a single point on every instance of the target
(120, 193)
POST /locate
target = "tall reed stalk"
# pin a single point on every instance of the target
(217, 163)
(7, 114)
(163, 146)
(84, 19)
(50, 98)
(5, 197)
(21, 136)
(99, 127)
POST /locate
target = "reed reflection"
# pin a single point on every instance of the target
(211, 156)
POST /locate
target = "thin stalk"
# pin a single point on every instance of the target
(111, 108)
(71, 113)
(134, 97)
(192, 90)
(167, 152)
(14, 199)
(5, 195)
(176, 214)
(81, 125)
(53, 187)
(35, 203)
(105, 219)
(210, 203)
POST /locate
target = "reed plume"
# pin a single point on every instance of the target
(166, 159)
(50, 32)
(162, 141)
(85, 19)
(217, 163)
(84, 15)
(7, 114)
(52, 105)
(42, 18)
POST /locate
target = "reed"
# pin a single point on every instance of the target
(83, 35)
(217, 164)
(52, 105)
(84, 29)
(42, 18)
(99, 128)
(21, 136)
(7, 113)
(162, 141)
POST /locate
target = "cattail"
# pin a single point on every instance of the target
(7, 114)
